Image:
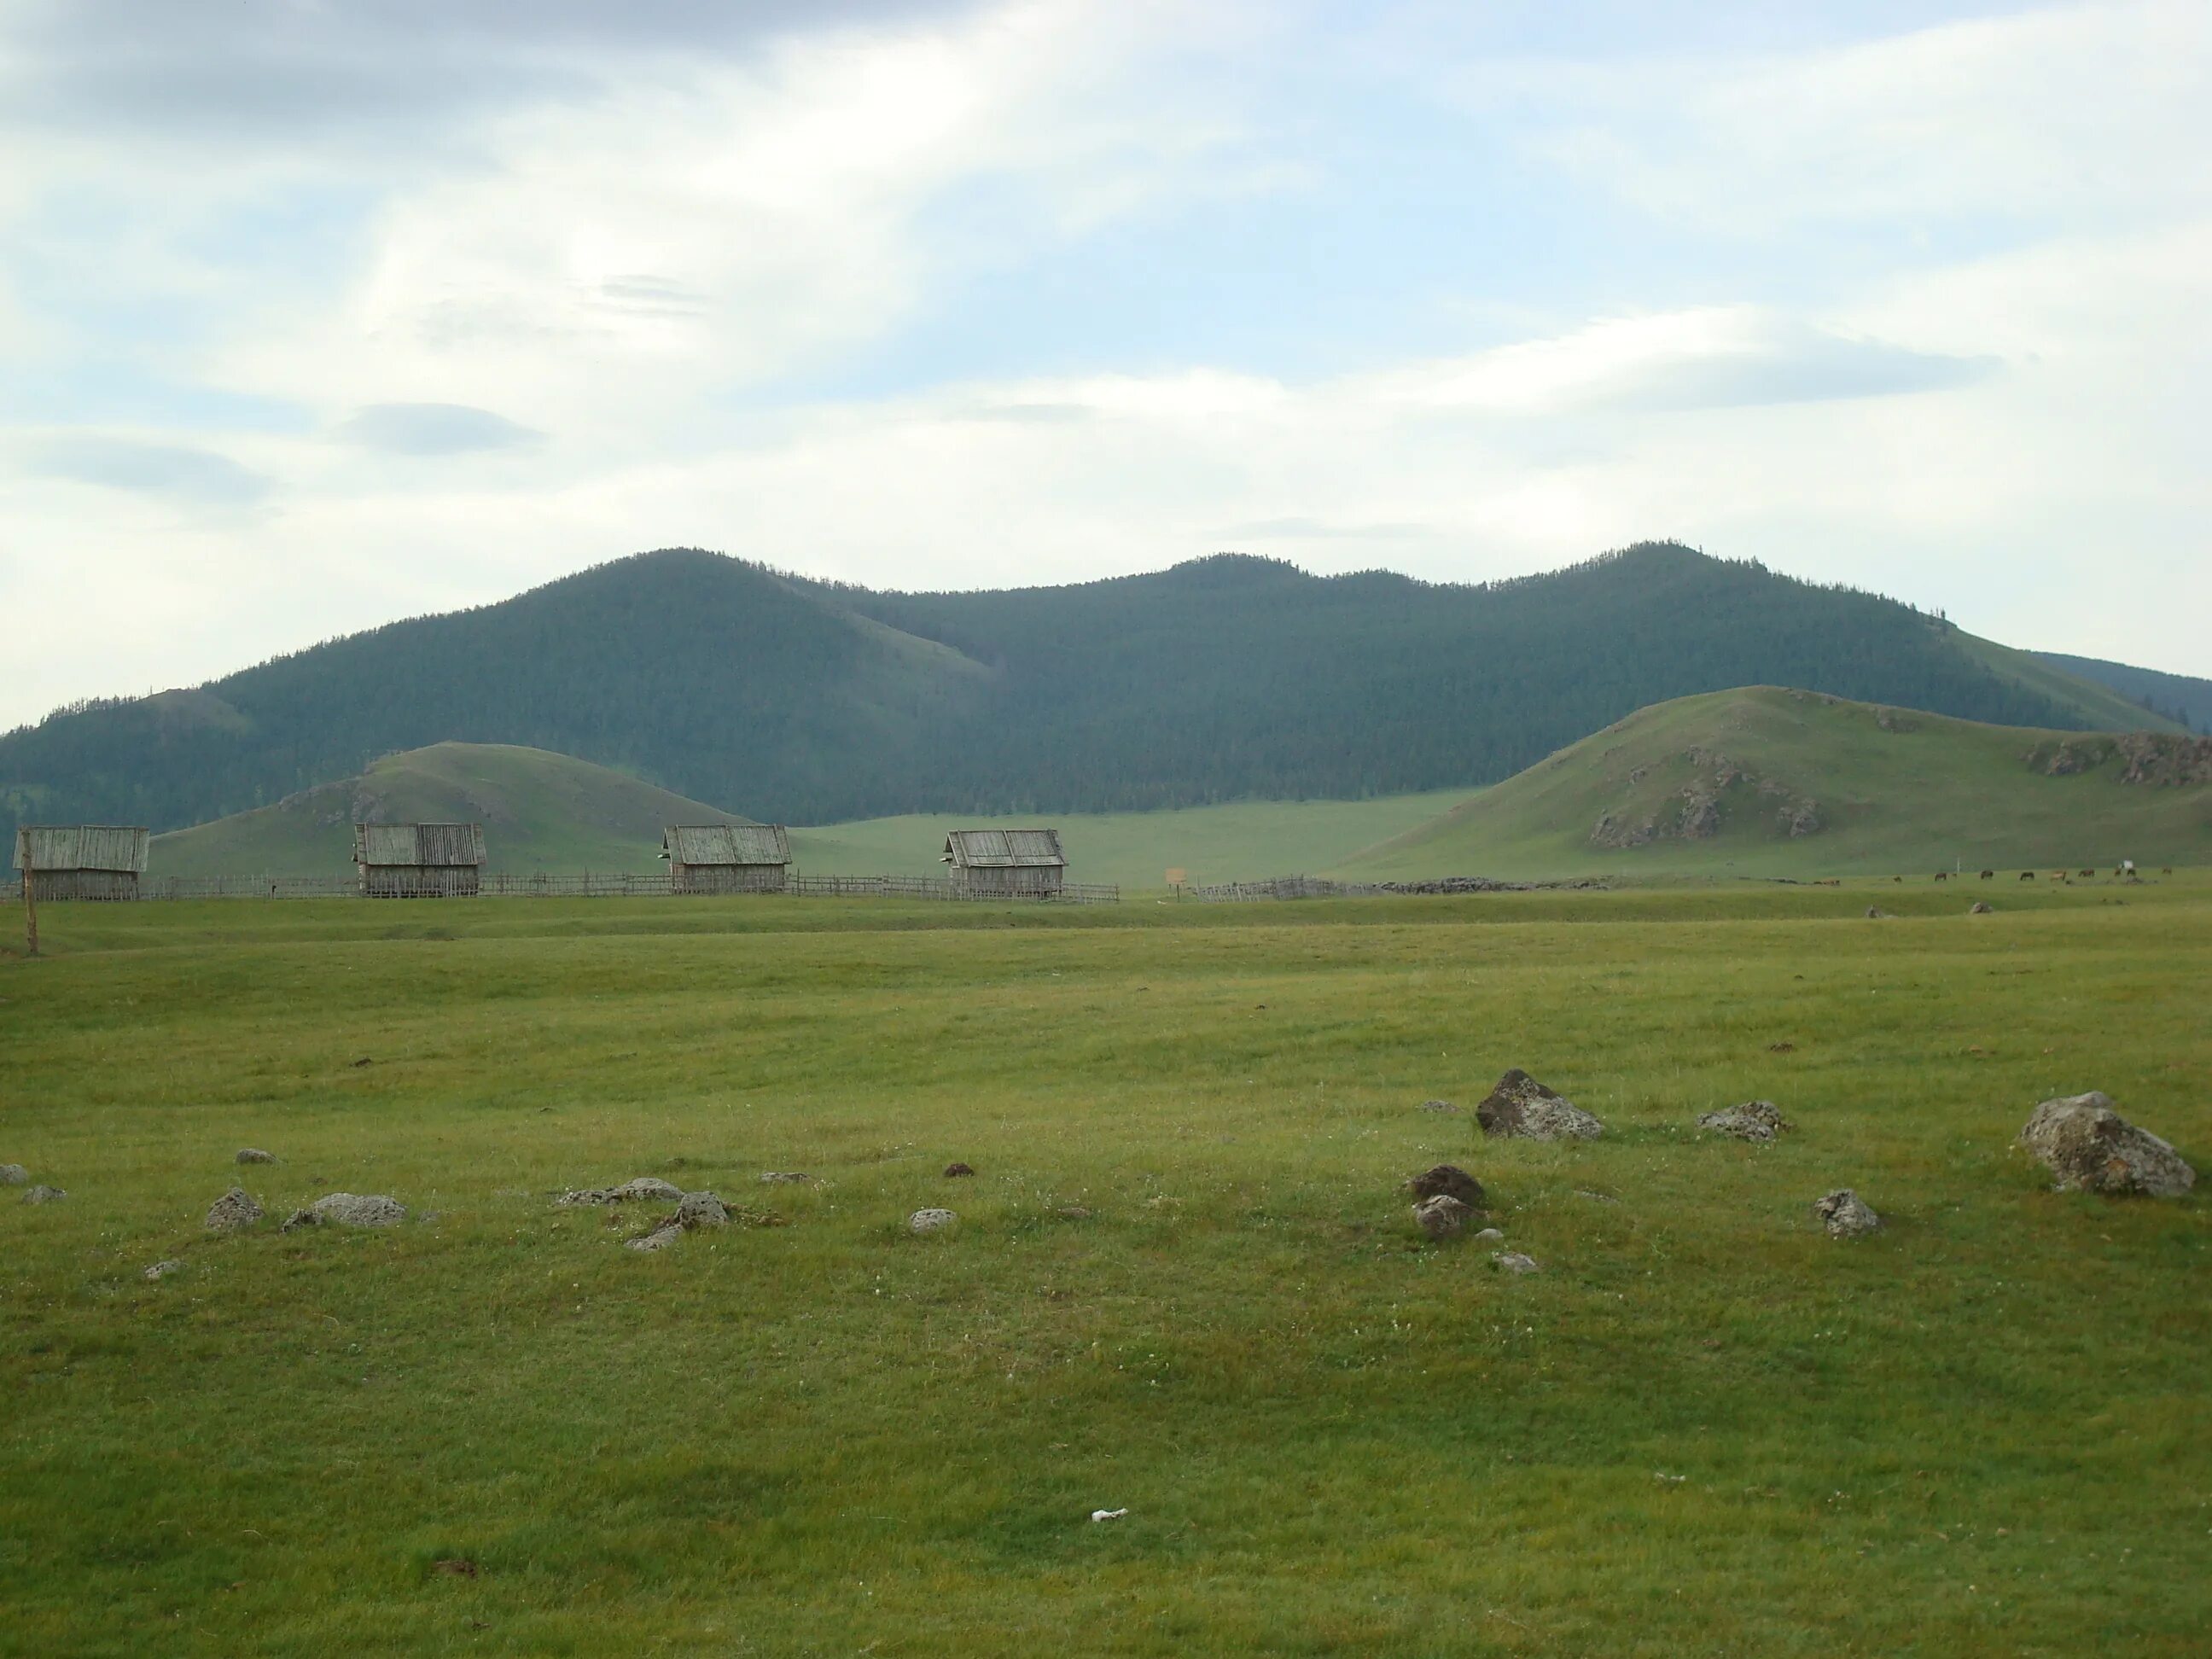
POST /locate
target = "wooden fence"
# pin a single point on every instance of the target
(592, 885)
(1306, 887)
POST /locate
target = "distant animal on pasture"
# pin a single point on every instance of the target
(2028, 875)
(1896, 878)
(1989, 875)
(1941, 875)
(2088, 874)
(2166, 870)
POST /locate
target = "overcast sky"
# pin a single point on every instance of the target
(314, 313)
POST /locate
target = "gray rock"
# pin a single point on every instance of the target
(1754, 1119)
(1523, 1108)
(235, 1212)
(2090, 1148)
(13, 1174)
(771, 1176)
(1073, 1212)
(1512, 1261)
(1846, 1215)
(43, 1194)
(162, 1270)
(642, 1187)
(930, 1221)
(658, 1239)
(1875, 914)
(954, 1170)
(696, 1209)
(1448, 1178)
(255, 1155)
(1490, 1232)
(1980, 908)
(1442, 1216)
(348, 1210)
(1438, 1106)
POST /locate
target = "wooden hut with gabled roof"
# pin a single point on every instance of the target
(1011, 863)
(727, 858)
(419, 860)
(82, 861)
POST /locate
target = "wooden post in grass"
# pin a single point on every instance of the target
(30, 904)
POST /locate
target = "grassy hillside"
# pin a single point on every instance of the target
(1718, 781)
(540, 812)
(2184, 697)
(1183, 1281)
(1225, 678)
(1136, 849)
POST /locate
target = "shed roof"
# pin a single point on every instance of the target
(437, 845)
(1004, 849)
(81, 847)
(727, 844)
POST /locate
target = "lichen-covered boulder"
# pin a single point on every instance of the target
(13, 1174)
(1846, 1215)
(348, 1210)
(43, 1194)
(1442, 1216)
(695, 1210)
(235, 1212)
(639, 1189)
(2091, 1148)
(1523, 1108)
(1754, 1119)
(1450, 1180)
(255, 1155)
(930, 1220)
(1513, 1261)
(161, 1270)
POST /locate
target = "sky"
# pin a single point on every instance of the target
(316, 314)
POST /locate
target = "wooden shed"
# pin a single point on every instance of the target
(1019, 863)
(419, 860)
(727, 858)
(82, 861)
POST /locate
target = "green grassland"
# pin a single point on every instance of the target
(540, 812)
(1984, 1431)
(1894, 790)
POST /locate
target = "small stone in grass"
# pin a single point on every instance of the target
(13, 1174)
(163, 1269)
(1442, 1216)
(1846, 1215)
(235, 1212)
(1438, 1106)
(348, 1210)
(1447, 1178)
(254, 1155)
(1754, 1119)
(1490, 1232)
(930, 1220)
(1512, 1261)
(1980, 908)
(43, 1194)
(952, 1169)
(770, 1177)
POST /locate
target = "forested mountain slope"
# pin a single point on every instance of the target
(1225, 678)
(2180, 697)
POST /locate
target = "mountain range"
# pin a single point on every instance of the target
(1225, 678)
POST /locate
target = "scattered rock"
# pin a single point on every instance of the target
(13, 1174)
(1521, 1106)
(348, 1210)
(696, 1209)
(43, 1194)
(1073, 1212)
(2091, 1148)
(1781, 1047)
(1441, 1217)
(1595, 1198)
(1490, 1232)
(1980, 908)
(235, 1212)
(1107, 1514)
(1876, 914)
(641, 1187)
(1438, 1106)
(1754, 1119)
(1512, 1261)
(161, 1270)
(930, 1221)
(458, 1567)
(769, 1177)
(953, 1170)
(1447, 1179)
(658, 1239)
(1846, 1215)
(255, 1155)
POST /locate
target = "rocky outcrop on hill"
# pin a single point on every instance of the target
(2155, 757)
(1698, 810)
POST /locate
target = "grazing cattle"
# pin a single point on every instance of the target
(2028, 875)
(1943, 876)
(2086, 874)
(1989, 875)
(1896, 878)
(2166, 870)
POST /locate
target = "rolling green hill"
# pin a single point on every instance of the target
(540, 812)
(1768, 781)
(1224, 679)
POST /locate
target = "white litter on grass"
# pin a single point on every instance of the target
(1107, 1514)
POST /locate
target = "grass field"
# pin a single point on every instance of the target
(1984, 1431)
